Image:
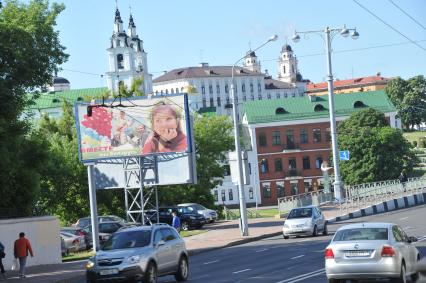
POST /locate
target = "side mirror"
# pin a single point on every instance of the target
(160, 243)
(412, 239)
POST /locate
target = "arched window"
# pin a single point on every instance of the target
(181, 89)
(243, 87)
(251, 87)
(226, 88)
(283, 69)
(359, 104)
(120, 61)
(319, 107)
(259, 87)
(172, 91)
(177, 90)
(280, 110)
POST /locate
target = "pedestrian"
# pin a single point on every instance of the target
(2, 255)
(176, 221)
(21, 249)
(403, 179)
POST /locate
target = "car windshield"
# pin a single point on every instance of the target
(361, 234)
(300, 213)
(199, 207)
(127, 240)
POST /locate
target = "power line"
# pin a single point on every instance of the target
(82, 72)
(408, 15)
(394, 29)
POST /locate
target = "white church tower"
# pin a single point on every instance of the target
(251, 62)
(127, 58)
(287, 65)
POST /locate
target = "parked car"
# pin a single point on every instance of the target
(79, 232)
(70, 242)
(307, 220)
(421, 269)
(209, 214)
(188, 218)
(85, 221)
(103, 237)
(108, 227)
(140, 253)
(371, 251)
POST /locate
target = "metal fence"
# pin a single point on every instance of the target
(320, 197)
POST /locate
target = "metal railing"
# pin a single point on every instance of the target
(320, 197)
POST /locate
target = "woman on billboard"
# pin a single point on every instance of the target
(167, 133)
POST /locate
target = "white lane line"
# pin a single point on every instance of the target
(210, 262)
(403, 218)
(306, 277)
(422, 238)
(244, 270)
(299, 256)
(262, 250)
(313, 273)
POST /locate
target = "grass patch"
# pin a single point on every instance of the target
(78, 256)
(253, 213)
(191, 233)
(414, 136)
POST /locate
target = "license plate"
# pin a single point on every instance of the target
(357, 253)
(108, 271)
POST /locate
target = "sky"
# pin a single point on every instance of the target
(184, 33)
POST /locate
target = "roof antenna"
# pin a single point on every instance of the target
(249, 45)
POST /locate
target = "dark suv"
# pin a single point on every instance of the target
(188, 219)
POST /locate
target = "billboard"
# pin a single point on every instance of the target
(133, 127)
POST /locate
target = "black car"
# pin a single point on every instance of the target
(109, 227)
(189, 220)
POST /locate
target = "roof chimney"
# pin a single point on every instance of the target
(203, 65)
(312, 97)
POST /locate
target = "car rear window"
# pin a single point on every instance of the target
(300, 213)
(127, 240)
(361, 234)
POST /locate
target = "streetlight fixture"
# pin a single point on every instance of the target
(243, 212)
(329, 34)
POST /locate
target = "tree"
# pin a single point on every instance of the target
(409, 97)
(377, 151)
(29, 53)
(213, 139)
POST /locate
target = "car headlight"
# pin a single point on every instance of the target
(192, 217)
(134, 259)
(89, 264)
(286, 226)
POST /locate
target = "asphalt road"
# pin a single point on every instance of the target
(276, 260)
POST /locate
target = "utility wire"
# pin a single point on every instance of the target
(394, 29)
(408, 15)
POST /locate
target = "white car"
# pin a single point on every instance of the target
(371, 251)
(209, 214)
(301, 221)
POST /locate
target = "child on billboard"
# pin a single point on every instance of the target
(167, 135)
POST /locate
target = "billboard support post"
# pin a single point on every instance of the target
(93, 207)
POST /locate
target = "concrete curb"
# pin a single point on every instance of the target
(382, 207)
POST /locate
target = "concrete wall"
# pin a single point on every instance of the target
(43, 233)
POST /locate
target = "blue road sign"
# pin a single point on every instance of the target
(344, 155)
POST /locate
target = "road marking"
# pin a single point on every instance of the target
(422, 238)
(244, 270)
(299, 256)
(306, 277)
(403, 218)
(262, 250)
(209, 262)
(302, 277)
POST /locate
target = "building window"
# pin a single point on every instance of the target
(327, 135)
(283, 69)
(251, 87)
(266, 188)
(177, 90)
(251, 193)
(216, 195)
(276, 138)
(204, 102)
(218, 101)
(292, 163)
(278, 95)
(226, 170)
(210, 89)
(264, 167)
(223, 195)
(203, 89)
(259, 97)
(308, 186)
(317, 135)
(306, 163)
(226, 88)
(230, 194)
(120, 61)
(259, 87)
(294, 189)
(280, 189)
(252, 99)
(217, 89)
(211, 101)
(262, 139)
(243, 88)
(303, 136)
(285, 95)
(278, 165)
(182, 89)
(290, 139)
(172, 91)
(318, 162)
(244, 98)
(269, 96)
(167, 91)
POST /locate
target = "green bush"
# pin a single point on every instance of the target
(422, 142)
(415, 143)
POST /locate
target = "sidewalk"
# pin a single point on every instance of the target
(219, 235)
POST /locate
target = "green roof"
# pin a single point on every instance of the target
(54, 99)
(301, 108)
(207, 111)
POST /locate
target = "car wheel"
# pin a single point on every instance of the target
(185, 226)
(183, 270)
(286, 237)
(401, 278)
(415, 276)
(90, 280)
(315, 232)
(150, 274)
(325, 230)
(334, 280)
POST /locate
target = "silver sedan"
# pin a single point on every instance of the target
(371, 251)
(308, 220)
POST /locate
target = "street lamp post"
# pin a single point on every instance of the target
(329, 34)
(243, 212)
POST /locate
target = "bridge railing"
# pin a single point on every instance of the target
(285, 204)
